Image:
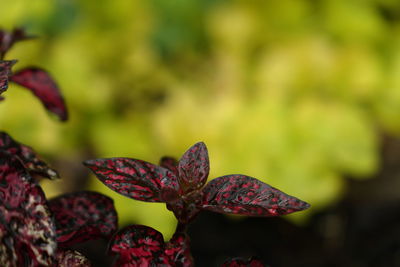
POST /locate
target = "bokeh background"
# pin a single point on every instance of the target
(303, 95)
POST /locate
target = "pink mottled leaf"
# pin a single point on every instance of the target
(44, 87)
(240, 262)
(136, 179)
(178, 250)
(83, 216)
(5, 73)
(170, 163)
(138, 245)
(8, 39)
(194, 167)
(27, 232)
(244, 195)
(71, 258)
(28, 156)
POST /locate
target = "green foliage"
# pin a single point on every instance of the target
(292, 92)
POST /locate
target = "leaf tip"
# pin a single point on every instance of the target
(304, 205)
(201, 144)
(63, 116)
(88, 163)
(53, 174)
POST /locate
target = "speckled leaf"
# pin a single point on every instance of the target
(83, 216)
(170, 163)
(240, 262)
(5, 73)
(136, 179)
(178, 250)
(71, 258)
(7, 39)
(138, 245)
(240, 194)
(27, 235)
(44, 87)
(28, 156)
(194, 167)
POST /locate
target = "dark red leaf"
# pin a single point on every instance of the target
(240, 262)
(194, 167)
(178, 250)
(71, 258)
(139, 245)
(7, 39)
(27, 234)
(136, 179)
(5, 73)
(240, 194)
(83, 216)
(170, 163)
(44, 87)
(27, 155)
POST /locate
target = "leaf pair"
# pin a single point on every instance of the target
(37, 232)
(182, 186)
(38, 81)
(139, 245)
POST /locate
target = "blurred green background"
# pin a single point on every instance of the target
(294, 93)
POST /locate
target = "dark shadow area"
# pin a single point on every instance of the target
(363, 229)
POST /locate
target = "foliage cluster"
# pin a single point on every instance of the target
(312, 81)
(35, 231)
